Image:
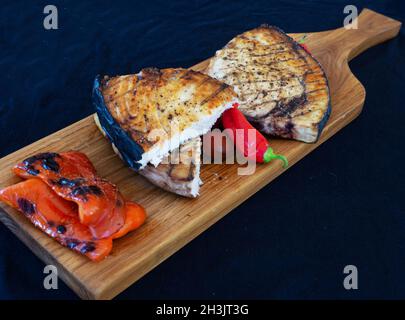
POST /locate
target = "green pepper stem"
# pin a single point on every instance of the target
(270, 155)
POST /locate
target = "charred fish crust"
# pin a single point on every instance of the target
(188, 75)
(270, 27)
(296, 47)
(284, 130)
(103, 81)
(151, 72)
(26, 206)
(289, 126)
(130, 151)
(286, 109)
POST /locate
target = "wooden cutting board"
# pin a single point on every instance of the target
(173, 221)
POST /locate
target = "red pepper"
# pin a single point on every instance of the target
(305, 47)
(302, 44)
(259, 150)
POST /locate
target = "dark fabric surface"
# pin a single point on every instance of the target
(342, 204)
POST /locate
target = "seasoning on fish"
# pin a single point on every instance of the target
(283, 90)
(55, 216)
(149, 114)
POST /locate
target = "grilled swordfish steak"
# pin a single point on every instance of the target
(149, 114)
(283, 90)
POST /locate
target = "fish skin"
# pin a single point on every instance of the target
(283, 90)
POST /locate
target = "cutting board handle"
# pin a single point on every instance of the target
(373, 28)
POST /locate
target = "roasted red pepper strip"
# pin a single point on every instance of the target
(55, 216)
(135, 216)
(72, 176)
(259, 150)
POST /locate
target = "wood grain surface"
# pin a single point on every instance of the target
(173, 221)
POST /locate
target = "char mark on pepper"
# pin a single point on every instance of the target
(84, 191)
(61, 229)
(26, 206)
(88, 247)
(69, 183)
(48, 162)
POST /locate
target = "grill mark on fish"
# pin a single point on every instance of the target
(257, 67)
(269, 53)
(284, 109)
(303, 113)
(271, 68)
(203, 82)
(271, 62)
(187, 75)
(109, 98)
(267, 45)
(316, 90)
(279, 89)
(270, 82)
(276, 61)
(218, 91)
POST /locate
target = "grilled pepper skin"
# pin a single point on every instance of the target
(55, 216)
(64, 197)
(73, 177)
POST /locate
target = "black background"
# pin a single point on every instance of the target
(342, 204)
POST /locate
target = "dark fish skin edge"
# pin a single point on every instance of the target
(322, 123)
(130, 151)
